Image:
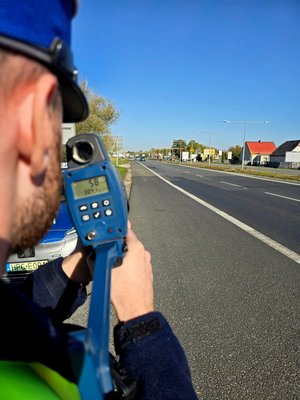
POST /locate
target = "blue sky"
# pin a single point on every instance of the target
(175, 69)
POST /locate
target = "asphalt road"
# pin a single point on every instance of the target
(232, 300)
(269, 206)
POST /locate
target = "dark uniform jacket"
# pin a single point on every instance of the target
(32, 329)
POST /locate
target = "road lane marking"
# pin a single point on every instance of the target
(258, 235)
(284, 197)
(201, 176)
(243, 175)
(231, 184)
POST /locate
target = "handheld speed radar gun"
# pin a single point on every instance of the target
(95, 194)
(97, 204)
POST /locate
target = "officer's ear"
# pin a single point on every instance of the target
(36, 123)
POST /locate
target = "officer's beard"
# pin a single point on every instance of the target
(35, 216)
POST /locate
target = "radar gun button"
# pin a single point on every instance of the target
(91, 235)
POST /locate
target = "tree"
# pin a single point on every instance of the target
(194, 146)
(102, 115)
(224, 156)
(178, 146)
(236, 152)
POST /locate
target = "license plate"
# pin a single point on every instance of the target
(24, 266)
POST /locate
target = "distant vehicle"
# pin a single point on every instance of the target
(139, 157)
(120, 155)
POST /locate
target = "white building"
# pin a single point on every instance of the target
(281, 157)
(68, 130)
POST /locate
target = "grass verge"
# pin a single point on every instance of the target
(122, 171)
(122, 166)
(265, 173)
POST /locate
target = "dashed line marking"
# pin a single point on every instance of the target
(283, 197)
(231, 184)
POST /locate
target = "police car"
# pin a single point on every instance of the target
(59, 241)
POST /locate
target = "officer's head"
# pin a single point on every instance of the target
(41, 30)
(38, 90)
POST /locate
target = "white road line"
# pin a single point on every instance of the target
(284, 197)
(260, 236)
(186, 172)
(243, 175)
(231, 184)
(201, 176)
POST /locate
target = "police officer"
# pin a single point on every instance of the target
(38, 91)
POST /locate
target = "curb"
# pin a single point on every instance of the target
(128, 180)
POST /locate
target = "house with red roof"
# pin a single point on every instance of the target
(258, 153)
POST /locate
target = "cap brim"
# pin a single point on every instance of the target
(75, 106)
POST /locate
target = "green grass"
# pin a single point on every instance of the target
(122, 169)
(120, 160)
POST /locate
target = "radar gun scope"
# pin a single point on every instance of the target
(98, 206)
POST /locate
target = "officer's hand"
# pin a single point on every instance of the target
(132, 282)
(76, 268)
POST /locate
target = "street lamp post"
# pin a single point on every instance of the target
(244, 144)
(209, 148)
(245, 130)
(117, 144)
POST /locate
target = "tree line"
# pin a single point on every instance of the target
(193, 147)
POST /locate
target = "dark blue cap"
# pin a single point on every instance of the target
(42, 30)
